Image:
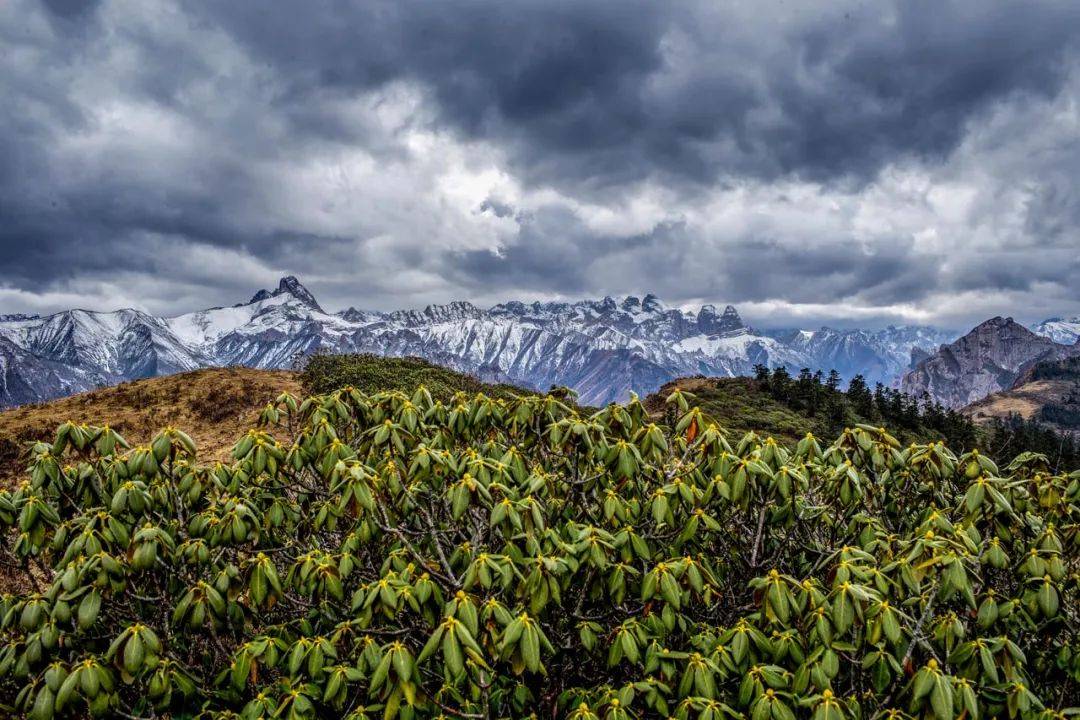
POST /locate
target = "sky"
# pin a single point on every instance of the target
(849, 163)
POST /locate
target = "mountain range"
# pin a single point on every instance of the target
(604, 349)
(1065, 331)
(991, 358)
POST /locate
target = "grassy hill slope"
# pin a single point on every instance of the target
(1026, 400)
(741, 404)
(217, 404)
(1049, 394)
(372, 373)
(788, 408)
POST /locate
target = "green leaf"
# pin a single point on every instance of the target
(941, 698)
(530, 648)
(89, 608)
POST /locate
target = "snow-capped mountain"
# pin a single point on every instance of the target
(878, 355)
(604, 349)
(78, 349)
(1065, 331)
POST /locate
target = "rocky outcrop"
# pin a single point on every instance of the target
(988, 359)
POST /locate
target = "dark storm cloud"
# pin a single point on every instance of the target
(609, 92)
(604, 93)
(138, 139)
(554, 252)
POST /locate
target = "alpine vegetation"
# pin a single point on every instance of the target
(391, 555)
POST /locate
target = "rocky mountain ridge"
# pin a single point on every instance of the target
(604, 348)
(986, 360)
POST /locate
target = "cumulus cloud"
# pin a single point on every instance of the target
(811, 162)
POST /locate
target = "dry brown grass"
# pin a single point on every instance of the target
(1025, 400)
(215, 406)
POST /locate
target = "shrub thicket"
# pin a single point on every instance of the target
(326, 372)
(396, 556)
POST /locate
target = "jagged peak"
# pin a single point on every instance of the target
(353, 314)
(608, 304)
(455, 310)
(998, 321)
(1002, 324)
(632, 304)
(651, 303)
(289, 285)
(713, 323)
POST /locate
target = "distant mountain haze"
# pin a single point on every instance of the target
(605, 349)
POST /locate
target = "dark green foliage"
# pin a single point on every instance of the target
(860, 398)
(1010, 435)
(743, 404)
(323, 373)
(1067, 369)
(1065, 414)
(829, 410)
(391, 555)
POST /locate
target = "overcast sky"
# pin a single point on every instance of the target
(809, 162)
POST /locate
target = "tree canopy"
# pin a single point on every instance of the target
(394, 555)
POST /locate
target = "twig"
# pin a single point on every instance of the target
(757, 538)
(915, 635)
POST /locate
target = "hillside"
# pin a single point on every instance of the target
(1048, 393)
(375, 373)
(785, 408)
(742, 404)
(218, 404)
(1026, 400)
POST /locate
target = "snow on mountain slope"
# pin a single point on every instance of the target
(1065, 331)
(105, 347)
(605, 349)
(732, 352)
(878, 355)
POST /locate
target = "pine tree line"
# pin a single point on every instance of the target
(820, 395)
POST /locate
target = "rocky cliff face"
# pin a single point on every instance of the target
(986, 360)
(604, 349)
